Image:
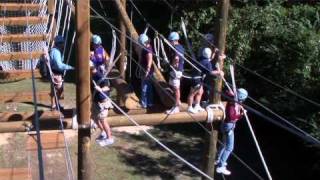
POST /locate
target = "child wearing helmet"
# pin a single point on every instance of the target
(206, 70)
(176, 58)
(100, 105)
(99, 56)
(234, 112)
(58, 67)
(146, 59)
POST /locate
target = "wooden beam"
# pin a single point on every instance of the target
(24, 96)
(116, 121)
(23, 37)
(19, 6)
(18, 74)
(52, 140)
(17, 56)
(21, 21)
(15, 174)
(123, 41)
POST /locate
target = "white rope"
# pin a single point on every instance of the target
(70, 50)
(113, 52)
(257, 145)
(212, 107)
(156, 47)
(67, 153)
(155, 139)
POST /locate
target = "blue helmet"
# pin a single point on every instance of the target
(58, 39)
(96, 39)
(242, 94)
(174, 36)
(143, 39)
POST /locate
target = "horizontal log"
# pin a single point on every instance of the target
(15, 174)
(23, 21)
(17, 56)
(24, 96)
(23, 37)
(19, 6)
(19, 74)
(116, 121)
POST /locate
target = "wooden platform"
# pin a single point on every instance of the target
(18, 74)
(22, 21)
(15, 174)
(17, 56)
(24, 96)
(23, 37)
(19, 6)
(52, 140)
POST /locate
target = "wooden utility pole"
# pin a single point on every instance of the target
(222, 22)
(83, 88)
(122, 44)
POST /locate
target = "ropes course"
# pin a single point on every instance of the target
(62, 16)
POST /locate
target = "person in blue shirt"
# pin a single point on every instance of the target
(206, 71)
(58, 68)
(146, 59)
(100, 105)
(176, 58)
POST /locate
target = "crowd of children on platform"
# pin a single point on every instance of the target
(201, 76)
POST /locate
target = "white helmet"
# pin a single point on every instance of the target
(242, 94)
(207, 53)
(174, 36)
(143, 39)
(96, 39)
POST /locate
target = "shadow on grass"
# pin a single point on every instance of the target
(151, 160)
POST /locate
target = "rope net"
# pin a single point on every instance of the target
(26, 29)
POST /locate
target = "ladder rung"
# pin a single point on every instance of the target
(19, 6)
(16, 56)
(25, 20)
(23, 37)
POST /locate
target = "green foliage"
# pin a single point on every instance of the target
(279, 42)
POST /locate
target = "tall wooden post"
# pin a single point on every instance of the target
(83, 88)
(122, 43)
(222, 22)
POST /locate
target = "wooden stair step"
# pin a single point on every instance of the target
(15, 174)
(24, 96)
(25, 20)
(23, 37)
(19, 6)
(19, 74)
(52, 140)
(16, 56)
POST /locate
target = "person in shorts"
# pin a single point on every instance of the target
(101, 105)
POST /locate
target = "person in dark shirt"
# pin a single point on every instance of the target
(206, 70)
(177, 62)
(234, 112)
(147, 70)
(100, 105)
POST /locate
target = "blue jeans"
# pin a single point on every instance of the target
(228, 142)
(146, 92)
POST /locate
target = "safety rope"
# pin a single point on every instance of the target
(257, 145)
(36, 115)
(67, 153)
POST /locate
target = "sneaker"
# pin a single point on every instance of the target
(216, 162)
(223, 170)
(198, 108)
(192, 110)
(102, 136)
(173, 110)
(106, 142)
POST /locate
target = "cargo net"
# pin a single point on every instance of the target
(7, 47)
